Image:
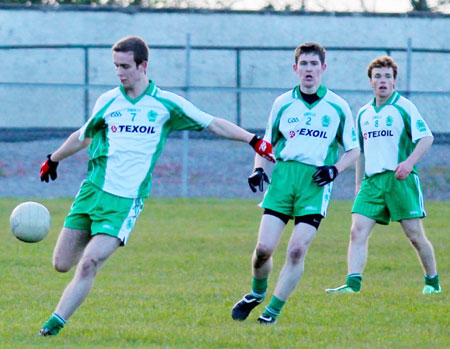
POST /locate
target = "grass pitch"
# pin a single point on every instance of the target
(188, 262)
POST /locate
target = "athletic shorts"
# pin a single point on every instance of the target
(383, 197)
(293, 192)
(103, 213)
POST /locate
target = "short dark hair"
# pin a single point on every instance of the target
(311, 47)
(133, 44)
(382, 62)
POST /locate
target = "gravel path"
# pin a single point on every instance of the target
(217, 168)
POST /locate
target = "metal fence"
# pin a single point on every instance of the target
(87, 85)
(186, 175)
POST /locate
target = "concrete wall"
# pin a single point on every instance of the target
(32, 105)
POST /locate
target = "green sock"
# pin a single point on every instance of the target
(54, 324)
(259, 287)
(354, 281)
(432, 281)
(274, 308)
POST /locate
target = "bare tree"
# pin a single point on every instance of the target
(349, 6)
(420, 5)
(279, 5)
(363, 5)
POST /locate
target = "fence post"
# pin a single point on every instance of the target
(238, 85)
(408, 68)
(185, 153)
(86, 83)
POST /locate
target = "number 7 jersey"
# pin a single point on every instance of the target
(128, 136)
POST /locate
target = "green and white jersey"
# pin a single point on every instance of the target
(310, 133)
(388, 135)
(129, 135)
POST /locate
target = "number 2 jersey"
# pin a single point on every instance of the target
(388, 135)
(310, 133)
(128, 136)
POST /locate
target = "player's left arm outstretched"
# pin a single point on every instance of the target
(226, 129)
(72, 145)
(404, 168)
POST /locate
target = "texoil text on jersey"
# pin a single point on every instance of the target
(308, 133)
(381, 133)
(133, 129)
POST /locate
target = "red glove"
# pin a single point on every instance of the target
(48, 169)
(263, 148)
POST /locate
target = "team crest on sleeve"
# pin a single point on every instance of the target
(420, 125)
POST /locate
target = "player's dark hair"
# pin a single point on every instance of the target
(382, 62)
(311, 47)
(133, 44)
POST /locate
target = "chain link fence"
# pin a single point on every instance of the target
(51, 93)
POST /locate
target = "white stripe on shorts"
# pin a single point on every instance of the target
(419, 189)
(130, 221)
(326, 197)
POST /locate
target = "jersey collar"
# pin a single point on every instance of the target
(150, 90)
(321, 91)
(394, 98)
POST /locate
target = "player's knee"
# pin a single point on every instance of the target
(88, 267)
(60, 265)
(296, 253)
(357, 233)
(414, 234)
(416, 238)
(262, 253)
(61, 268)
(414, 241)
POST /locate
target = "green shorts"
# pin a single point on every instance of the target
(293, 192)
(383, 197)
(103, 213)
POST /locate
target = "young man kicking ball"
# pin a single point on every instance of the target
(125, 135)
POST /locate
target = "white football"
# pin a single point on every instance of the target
(30, 221)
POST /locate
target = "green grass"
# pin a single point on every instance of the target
(188, 262)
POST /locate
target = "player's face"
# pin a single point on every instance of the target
(309, 70)
(126, 69)
(383, 82)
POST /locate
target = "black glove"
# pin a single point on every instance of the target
(325, 175)
(257, 179)
(48, 168)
